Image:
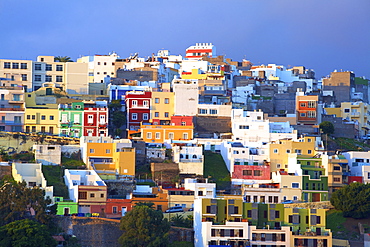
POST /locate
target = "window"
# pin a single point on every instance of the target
(37, 77)
(277, 214)
(318, 219)
(17, 119)
(183, 123)
(157, 135)
(156, 100)
(134, 116)
(114, 210)
(33, 117)
(298, 151)
(243, 127)
(295, 185)
(48, 78)
(134, 103)
(166, 114)
(107, 151)
(156, 114)
(303, 104)
(247, 172)
(337, 168)
(185, 136)
(346, 110)
(43, 117)
(309, 151)
(28, 117)
(33, 128)
(171, 136)
(6, 65)
(149, 135)
(92, 151)
(38, 66)
(166, 100)
(24, 77)
(59, 78)
(295, 198)
(145, 116)
(82, 195)
(92, 195)
(288, 151)
(202, 111)
(212, 111)
(303, 114)
(336, 179)
(276, 151)
(15, 66)
(48, 67)
(98, 63)
(311, 114)
(59, 68)
(311, 104)
(309, 140)
(146, 103)
(23, 66)
(257, 173)
(51, 117)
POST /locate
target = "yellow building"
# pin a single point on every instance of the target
(162, 105)
(42, 120)
(17, 70)
(160, 133)
(280, 150)
(357, 111)
(111, 159)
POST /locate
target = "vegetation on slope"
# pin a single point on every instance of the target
(215, 169)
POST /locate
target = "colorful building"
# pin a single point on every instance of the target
(201, 49)
(307, 108)
(162, 107)
(71, 119)
(138, 105)
(12, 109)
(95, 119)
(65, 207)
(42, 120)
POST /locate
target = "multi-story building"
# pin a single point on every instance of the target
(138, 105)
(186, 97)
(280, 150)
(180, 128)
(87, 189)
(32, 174)
(359, 164)
(70, 76)
(111, 159)
(341, 83)
(358, 112)
(100, 66)
(314, 183)
(95, 118)
(200, 49)
(307, 109)
(71, 119)
(19, 71)
(232, 222)
(189, 157)
(337, 170)
(48, 154)
(11, 108)
(42, 120)
(162, 107)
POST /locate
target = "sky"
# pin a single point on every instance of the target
(320, 35)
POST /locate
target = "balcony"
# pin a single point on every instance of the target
(12, 109)
(12, 123)
(191, 160)
(140, 107)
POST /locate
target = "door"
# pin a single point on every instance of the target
(315, 197)
(124, 210)
(66, 211)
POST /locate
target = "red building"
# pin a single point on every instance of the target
(259, 172)
(201, 49)
(306, 108)
(138, 108)
(117, 207)
(175, 121)
(352, 179)
(95, 119)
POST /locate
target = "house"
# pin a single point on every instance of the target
(32, 174)
(200, 49)
(71, 119)
(48, 154)
(87, 189)
(65, 207)
(138, 105)
(147, 194)
(186, 97)
(95, 118)
(12, 108)
(189, 157)
(17, 71)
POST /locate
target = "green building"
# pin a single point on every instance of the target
(65, 206)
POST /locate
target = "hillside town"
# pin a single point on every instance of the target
(250, 153)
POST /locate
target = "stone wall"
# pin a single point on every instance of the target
(101, 232)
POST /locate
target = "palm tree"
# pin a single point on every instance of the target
(63, 59)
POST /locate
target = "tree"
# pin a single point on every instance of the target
(25, 233)
(62, 59)
(144, 226)
(17, 202)
(353, 200)
(327, 127)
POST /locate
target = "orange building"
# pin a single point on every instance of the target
(158, 197)
(306, 108)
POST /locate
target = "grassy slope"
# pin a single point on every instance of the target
(215, 169)
(54, 177)
(343, 228)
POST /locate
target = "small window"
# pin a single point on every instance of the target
(51, 117)
(295, 185)
(309, 151)
(276, 151)
(23, 66)
(107, 151)
(38, 66)
(92, 195)
(145, 116)
(166, 114)
(92, 151)
(149, 135)
(43, 117)
(48, 67)
(166, 100)
(156, 100)
(59, 68)
(134, 116)
(156, 114)
(157, 135)
(346, 110)
(59, 78)
(303, 114)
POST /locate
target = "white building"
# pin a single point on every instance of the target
(100, 66)
(32, 174)
(48, 154)
(214, 110)
(201, 190)
(243, 95)
(186, 97)
(201, 49)
(359, 163)
(189, 157)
